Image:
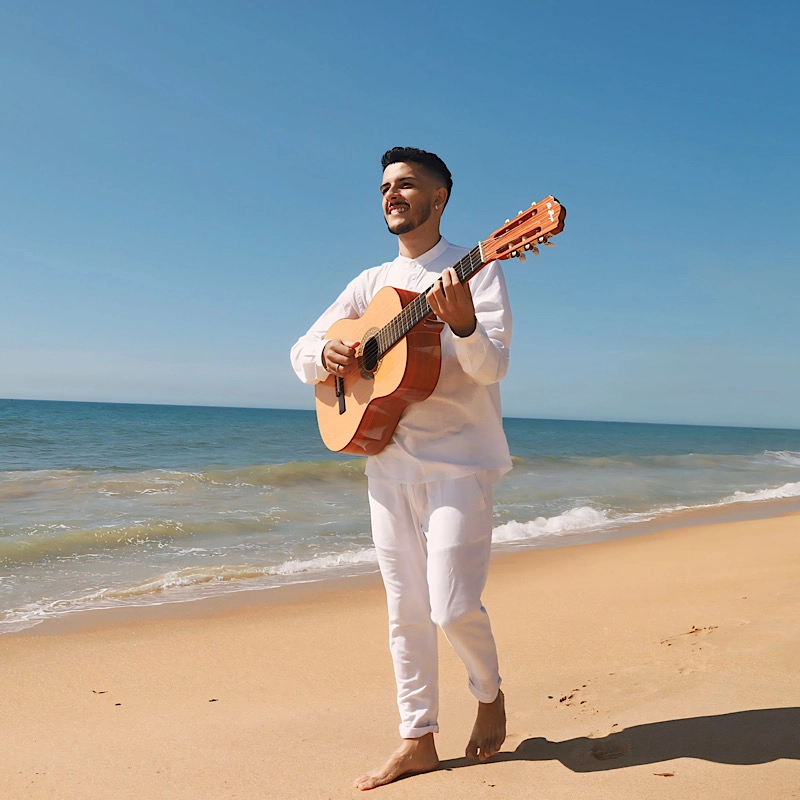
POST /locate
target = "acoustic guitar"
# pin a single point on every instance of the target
(399, 355)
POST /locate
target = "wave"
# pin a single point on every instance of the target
(787, 457)
(548, 463)
(154, 591)
(781, 493)
(59, 541)
(350, 471)
(581, 519)
(585, 519)
(198, 576)
(194, 582)
(293, 472)
(20, 485)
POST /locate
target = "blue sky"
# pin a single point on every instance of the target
(186, 185)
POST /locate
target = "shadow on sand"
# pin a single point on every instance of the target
(744, 737)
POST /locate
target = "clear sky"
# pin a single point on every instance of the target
(185, 186)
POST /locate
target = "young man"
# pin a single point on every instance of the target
(430, 488)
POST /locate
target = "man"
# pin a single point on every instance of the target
(430, 488)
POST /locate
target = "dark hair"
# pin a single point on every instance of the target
(430, 161)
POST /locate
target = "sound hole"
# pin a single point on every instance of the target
(370, 355)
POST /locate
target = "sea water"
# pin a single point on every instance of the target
(104, 505)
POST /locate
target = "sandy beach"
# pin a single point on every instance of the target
(662, 665)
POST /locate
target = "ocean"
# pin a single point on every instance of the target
(107, 505)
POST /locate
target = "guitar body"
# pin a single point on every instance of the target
(363, 420)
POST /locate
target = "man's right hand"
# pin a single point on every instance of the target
(339, 357)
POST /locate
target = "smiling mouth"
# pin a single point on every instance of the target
(399, 208)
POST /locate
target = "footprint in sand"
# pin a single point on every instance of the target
(693, 639)
(611, 747)
(693, 636)
(574, 698)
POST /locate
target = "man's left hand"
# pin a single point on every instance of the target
(451, 301)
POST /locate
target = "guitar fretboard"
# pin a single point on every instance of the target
(418, 309)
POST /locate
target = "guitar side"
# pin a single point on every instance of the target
(373, 405)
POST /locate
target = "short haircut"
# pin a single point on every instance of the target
(430, 161)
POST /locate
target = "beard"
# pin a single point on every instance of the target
(409, 224)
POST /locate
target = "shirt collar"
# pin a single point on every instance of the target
(431, 255)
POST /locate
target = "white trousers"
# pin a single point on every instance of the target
(433, 542)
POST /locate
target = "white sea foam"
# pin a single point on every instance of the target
(346, 559)
(585, 519)
(198, 576)
(782, 492)
(576, 519)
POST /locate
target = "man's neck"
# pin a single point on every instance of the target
(417, 242)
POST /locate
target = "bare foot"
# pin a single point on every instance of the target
(489, 732)
(413, 756)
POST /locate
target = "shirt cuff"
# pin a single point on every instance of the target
(474, 339)
(313, 370)
(473, 353)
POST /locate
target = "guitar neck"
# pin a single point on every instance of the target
(418, 309)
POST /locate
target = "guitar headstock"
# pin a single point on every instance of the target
(532, 227)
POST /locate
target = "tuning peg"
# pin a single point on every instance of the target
(549, 244)
(507, 221)
(521, 256)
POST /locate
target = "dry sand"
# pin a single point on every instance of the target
(660, 666)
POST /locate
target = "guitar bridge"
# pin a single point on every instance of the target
(339, 383)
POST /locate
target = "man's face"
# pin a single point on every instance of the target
(409, 196)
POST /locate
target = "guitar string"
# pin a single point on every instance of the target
(418, 309)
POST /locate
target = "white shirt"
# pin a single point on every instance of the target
(458, 429)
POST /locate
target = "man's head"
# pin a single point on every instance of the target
(430, 162)
(415, 188)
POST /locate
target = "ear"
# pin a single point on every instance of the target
(440, 198)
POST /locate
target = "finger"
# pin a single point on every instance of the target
(434, 301)
(449, 280)
(340, 356)
(341, 348)
(459, 289)
(344, 349)
(332, 356)
(454, 290)
(445, 283)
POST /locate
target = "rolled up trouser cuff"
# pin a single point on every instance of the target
(417, 733)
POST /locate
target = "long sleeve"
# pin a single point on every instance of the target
(306, 354)
(483, 354)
